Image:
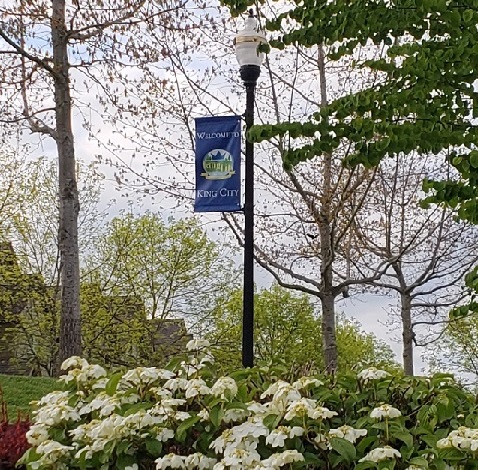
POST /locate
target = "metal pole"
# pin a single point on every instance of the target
(248, 299)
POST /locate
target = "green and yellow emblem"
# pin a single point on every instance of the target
(218, 164)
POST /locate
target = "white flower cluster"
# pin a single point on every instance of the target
(348, 433)
(381, 453)
(158, 405)
(385, 411)
(80, 371)
(372, 373)
(462, 438)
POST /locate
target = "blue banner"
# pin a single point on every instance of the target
(218, 164)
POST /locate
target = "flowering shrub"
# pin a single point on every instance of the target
(13, 442)
(186, 417)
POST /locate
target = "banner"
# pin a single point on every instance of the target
(218, 164)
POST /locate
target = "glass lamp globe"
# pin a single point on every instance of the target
(247, 42)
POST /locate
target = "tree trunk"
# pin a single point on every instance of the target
(407, 332)
(70, 323)
(327, 297)
(328, 333)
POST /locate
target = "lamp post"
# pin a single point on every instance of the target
(250, 58)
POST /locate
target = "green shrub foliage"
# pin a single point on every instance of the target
(185, 416)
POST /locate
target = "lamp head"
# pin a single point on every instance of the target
(247, 42)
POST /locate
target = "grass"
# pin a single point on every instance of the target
(19, 391)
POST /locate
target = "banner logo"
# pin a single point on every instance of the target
(218, 164)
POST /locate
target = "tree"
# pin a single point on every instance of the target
(420, 97)
(287, 331)
(56, 48)
(188, 93)
(154, 272)
(172, 266)
(312, 205)
(457, 349)
(29, 226)
(144, 282)
(429, 249)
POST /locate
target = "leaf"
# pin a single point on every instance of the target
(112, 383)
(468, 15)
(125, 460)
(137, 407)
(236, 405)
(365, 465)
(405, 437)
(474, 159)
(184, 426)
(419, 462)
(271, 421)
(154, 447)
(215, 415)
(312, 459)
(122, 447)
(345, 448)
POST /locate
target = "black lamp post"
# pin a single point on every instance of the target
(250, 58)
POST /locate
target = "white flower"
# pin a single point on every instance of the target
(415, 467)
(53, 398)
(181, 415)
(200, 461)
(286, 393)
(56, 413)
(282, 391)
(237, 457)
(75, 362)
(163, 434)
(146, 375)
(307, 407)
(51, 451)
(381, 453)
(220, 443)
(88, 373)
(444, 443)
(131, 467)
(235, 414)
(385, 411)
(141, 419)
(284, 458)
(189, 370)
(461, 438)
(372, 373)
(321, 441)
(274, 387)
(253, 427)
(300, 408)
(37, 434)
(100, 384)
(258, 409)
(223, 385)
(197, 387)
(304, 382)
(323, 413)
(348, 433)
(197, 344)
(278, 436)
(103, 402)
(161, 393)
(170, 461)
(176, 384)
